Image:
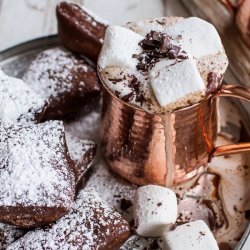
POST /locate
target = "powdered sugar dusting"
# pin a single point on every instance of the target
(18, 102)
(82, 152)
(91, 224)
(85, 126)
(112, 188)
(34, 169)
(9, 234)
(50, 74)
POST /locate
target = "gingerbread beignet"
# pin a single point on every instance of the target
(18, 102)
(91, 225)
(36, 177)
(80, 30)
(67, 81)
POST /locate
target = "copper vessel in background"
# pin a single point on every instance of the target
(163, 149)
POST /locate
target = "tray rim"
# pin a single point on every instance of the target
(45, 42)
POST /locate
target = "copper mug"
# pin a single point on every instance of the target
(166, 149)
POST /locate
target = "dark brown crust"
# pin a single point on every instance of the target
(77, 32)
(28, 217)
(81, 165)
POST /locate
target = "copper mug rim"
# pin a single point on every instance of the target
(144, 111)
(229, 90)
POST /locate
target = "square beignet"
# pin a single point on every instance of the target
(19, 102)
(90, 225)
(36, 174)
(66, 80)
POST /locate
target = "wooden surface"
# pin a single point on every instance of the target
(22, 20)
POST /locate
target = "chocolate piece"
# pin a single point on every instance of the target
(213, 81)
(157, 45)
(82, 152)
(91, 224)
(18, 102)
(36, 177)
(79, 30)
(66, 80)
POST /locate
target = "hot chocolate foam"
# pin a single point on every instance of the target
(140, 47)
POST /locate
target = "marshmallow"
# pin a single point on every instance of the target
(143, 27)
(171, 83)
(155, 207)
(198, 37)
(120, 44)
(194, 236)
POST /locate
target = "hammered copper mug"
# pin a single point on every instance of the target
(165, 149)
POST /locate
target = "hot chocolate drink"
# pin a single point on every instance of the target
(163, 64)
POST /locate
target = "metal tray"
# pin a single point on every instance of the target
(15, 60)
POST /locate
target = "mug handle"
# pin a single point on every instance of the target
(240, 93)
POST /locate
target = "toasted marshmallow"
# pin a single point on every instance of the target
(194, 236)
(196, 36)
(120, 44)
(178, 82)
(143, 27)
(155, 207)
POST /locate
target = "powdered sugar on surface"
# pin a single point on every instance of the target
(113, 189)
(85, 126)
(18, 102)
(34, 169)
(91, 224)
(9, 234)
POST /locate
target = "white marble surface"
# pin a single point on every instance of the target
(22, 20)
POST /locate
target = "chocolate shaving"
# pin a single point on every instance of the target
(213, 81)
(247, 214)
(125, 204)
(114, 80)
(128, 97)
(157, 45)
(117, 93)
(154, 245)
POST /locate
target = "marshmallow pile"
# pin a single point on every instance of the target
(155, 213)
(174, 62)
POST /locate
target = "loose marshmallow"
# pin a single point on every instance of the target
(155, 207)
(198, 37)
(171, 83)
(194, 236)
(120, 44)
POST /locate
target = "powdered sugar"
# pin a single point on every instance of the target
(9, 234)
(91, 224)
(18, 102)
(112, 188)
(50, 74)
(34, 167)
(82, 152)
